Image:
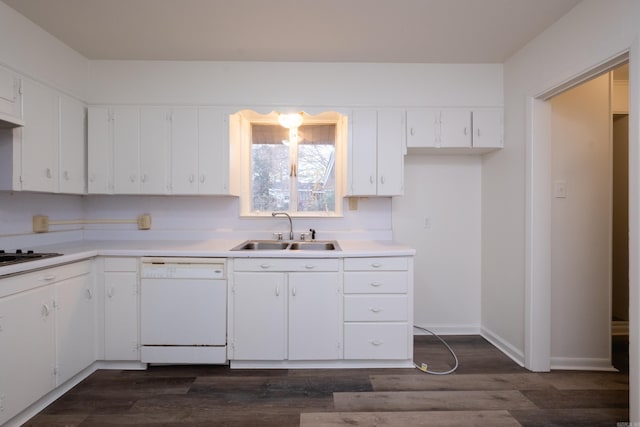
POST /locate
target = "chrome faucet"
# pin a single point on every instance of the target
(290, 222)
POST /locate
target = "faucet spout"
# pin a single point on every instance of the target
(290, 222)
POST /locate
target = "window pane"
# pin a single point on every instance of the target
(316, 177)
(269, 177)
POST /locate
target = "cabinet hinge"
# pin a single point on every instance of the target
(55, 371)
(19, 86)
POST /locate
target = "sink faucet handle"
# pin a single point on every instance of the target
(313, 234)
(277, 236)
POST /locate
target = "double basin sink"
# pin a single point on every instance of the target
(277, 245)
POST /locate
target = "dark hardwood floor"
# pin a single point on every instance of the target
(488, 389)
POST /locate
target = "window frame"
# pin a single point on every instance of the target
(247, 118)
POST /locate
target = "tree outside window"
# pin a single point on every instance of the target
(293, 176)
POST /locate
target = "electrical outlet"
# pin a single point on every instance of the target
(40, 223)
(144, 222)
(427, 223)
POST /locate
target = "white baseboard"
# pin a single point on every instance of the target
(448, 329)
(512, 352)
(582, 364)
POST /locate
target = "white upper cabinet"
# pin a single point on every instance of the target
(72, 146)
(184, 151)
(154, 150)
(488, 128)
(126, 150)
(39, 153)
(423, 128)
(390, 153)
(376, 153)
(214, 152)
(455, 130)
(100, 151)
(200, 151)
(10, 100)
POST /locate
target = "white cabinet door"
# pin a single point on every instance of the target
(259, 316)
(390, 153)
(154, 150)
(184, 151)
(455, 128)
(314, 316)
(39, 138)
(376, 153)
(487, 128)
(121, 316)
(10, 97)
(100, 151)
(213, 151)
(75, 326)
(126, 147)
(27, 349)
(72, 146)
(423, 128)
(363, 153)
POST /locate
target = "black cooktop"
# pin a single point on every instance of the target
(10, 258)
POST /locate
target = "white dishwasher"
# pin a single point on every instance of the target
(183, 310)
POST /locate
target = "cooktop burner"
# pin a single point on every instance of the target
(9, 258)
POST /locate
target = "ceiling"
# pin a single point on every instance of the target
(404, 31)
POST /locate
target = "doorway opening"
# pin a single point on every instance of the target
(589, 271)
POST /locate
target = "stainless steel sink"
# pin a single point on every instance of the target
(261, 245)
(276, 245)
(314, 246)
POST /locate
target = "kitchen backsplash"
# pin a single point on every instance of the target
(173, 218)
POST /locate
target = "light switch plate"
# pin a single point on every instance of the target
(560, 189)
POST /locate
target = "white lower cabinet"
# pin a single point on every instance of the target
(285, 309)
(378, 312)
(40, 315)
(75, 325)
(27, 329)
(121, 326)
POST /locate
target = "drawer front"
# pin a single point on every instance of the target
(378, 263)
(375, 341)
(285, 264)
(375, 308)
(121, 264)
(382, 282)
(47, 276)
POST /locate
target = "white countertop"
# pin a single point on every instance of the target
(75, 251)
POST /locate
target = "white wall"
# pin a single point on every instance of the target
(581, 158)
(445, 192)
(295, 84)
(200, 218)
(590, 34)
(33, 52)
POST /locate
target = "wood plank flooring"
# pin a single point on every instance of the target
(488, 389)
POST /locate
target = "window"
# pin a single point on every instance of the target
(293, 169)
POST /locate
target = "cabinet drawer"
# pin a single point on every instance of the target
(383, 282)
(375, 341)
(375, 308)
(47, 276)
(378, 263)
(121, 264)
(285, 264)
